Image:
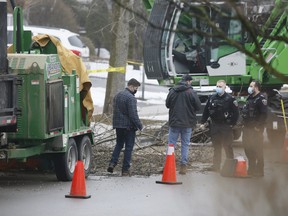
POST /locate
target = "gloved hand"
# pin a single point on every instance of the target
(140, 131)
(202, 126)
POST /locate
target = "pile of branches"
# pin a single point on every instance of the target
(153, 133)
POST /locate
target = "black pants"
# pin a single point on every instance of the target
(126, 137)
(221, 135)
(253, 146)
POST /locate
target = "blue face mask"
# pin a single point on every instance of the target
(219, 90)
(250, 90)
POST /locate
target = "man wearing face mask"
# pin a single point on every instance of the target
(254, 115)
(182, 102)
(222, 110)
(126, 122)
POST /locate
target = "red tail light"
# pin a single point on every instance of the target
(8, 120)
(3, 122)
(13, 120)
(76, 52)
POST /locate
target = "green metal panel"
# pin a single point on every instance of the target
(281, 61)
(41, 77)
(148, 4)
(35, 71)
(26, 152)
(77, 100)
(21, 39)
(34, 104)
(69, 103)
(66, 110)
(72, 103)
(275, 52)
(49, 48)
(209, 80)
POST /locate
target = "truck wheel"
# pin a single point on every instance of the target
(65, 162)
(85, 154)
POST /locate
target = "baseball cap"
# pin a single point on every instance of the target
(187, 77)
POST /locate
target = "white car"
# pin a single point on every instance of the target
(69, 39)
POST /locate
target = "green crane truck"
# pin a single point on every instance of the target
(218, 40)
(41, 111)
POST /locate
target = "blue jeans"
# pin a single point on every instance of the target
(185, 133)
(127, 137)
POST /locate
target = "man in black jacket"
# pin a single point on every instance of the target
(182, 102)
(126, 122)
(222, 109)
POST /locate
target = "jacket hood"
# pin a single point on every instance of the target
(181, 86)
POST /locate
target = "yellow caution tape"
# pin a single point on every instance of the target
(115, 69)
(110, 69)
(134, 62)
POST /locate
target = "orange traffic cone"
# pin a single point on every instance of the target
(169, 172)
(78, 187)
(285, 148)
(241, 168)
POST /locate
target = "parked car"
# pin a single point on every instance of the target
(69, 39)
(102, 53)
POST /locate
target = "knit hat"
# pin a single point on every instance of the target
(187, 77)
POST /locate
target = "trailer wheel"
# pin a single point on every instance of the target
(65, 162)
(85, 154)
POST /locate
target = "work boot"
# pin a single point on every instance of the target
(258, 173)
(110, 168)
(183, 169)
(126, 173)
(259, 170)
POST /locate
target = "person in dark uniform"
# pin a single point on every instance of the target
(222, 110)
(254, 115)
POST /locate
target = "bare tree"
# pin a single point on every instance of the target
(99, 22)
(54, 13)
(119, 51)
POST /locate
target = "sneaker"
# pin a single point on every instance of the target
(110, 168)
(183, 169)
(126, 173)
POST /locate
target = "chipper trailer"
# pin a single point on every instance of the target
(41, 105)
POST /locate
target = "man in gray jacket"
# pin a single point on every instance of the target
(182, 102)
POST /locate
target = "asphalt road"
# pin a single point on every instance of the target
(200, 194)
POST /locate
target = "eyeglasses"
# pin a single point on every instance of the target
(219, 86)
